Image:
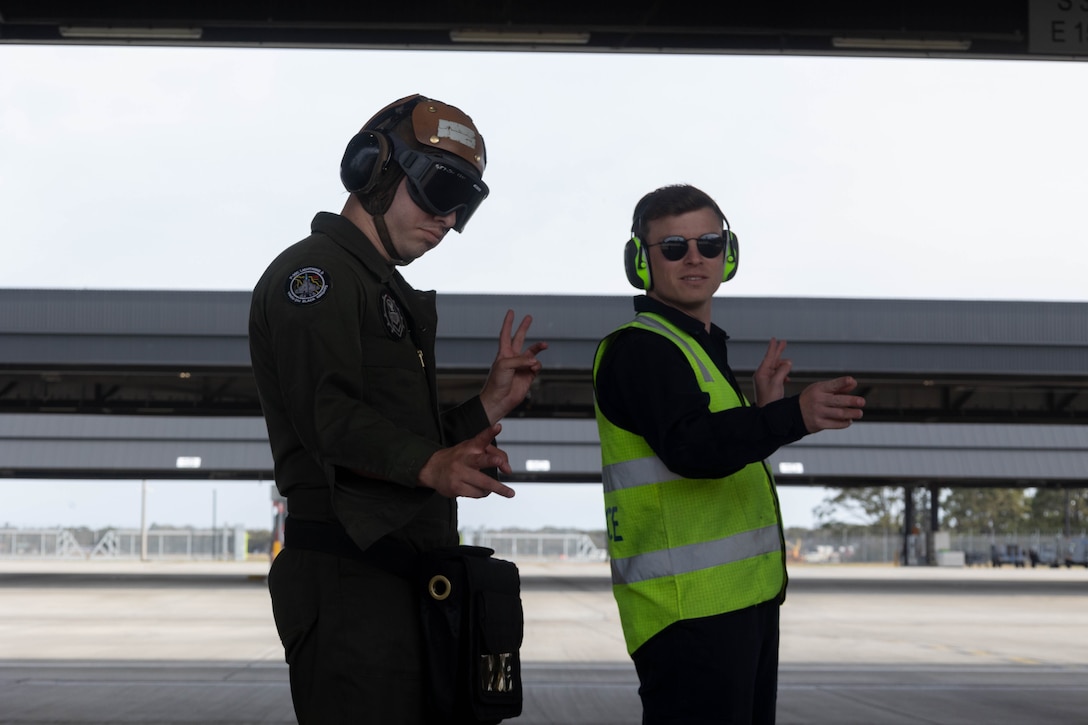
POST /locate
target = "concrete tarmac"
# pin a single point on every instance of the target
(164, 643)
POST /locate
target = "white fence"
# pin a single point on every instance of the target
(572, 546)
(204, 544)
(231, 544)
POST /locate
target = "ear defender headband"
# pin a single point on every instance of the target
(636, 260)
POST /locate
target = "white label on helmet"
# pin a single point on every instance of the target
(458, 132)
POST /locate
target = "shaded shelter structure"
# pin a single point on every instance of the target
(113, 384)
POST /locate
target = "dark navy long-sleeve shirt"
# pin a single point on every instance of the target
(645, 385)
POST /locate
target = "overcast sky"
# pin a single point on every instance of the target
(185, 168)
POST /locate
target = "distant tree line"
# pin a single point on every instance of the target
(960, 510)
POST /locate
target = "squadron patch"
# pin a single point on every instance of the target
(307, 285)
(395, 324)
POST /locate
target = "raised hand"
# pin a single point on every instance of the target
(513, 370)
(772, 374)
(456, 471)
(826, 404)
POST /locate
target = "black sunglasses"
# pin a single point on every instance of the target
(675, 248)
(441, 184)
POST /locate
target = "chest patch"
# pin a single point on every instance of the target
(308, 285)
(395, 324)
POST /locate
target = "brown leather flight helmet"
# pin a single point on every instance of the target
(434, 144)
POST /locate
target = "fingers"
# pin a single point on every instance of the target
(504, 333)
(849, 406)
(510, 346)
(840, 416)
(775, 348)
(771, 376)
(458, 470)
(489, 455)
(482, 486)
(475, 483)
(838, 389)
(772, 359)
(483, 438)
(826, 405)
(782, 371)
(497, 458)
(840, 385)
(526, 360)
(519, 363)
(523, 330)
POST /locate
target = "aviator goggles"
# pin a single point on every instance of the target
(676, 248)
(441, 184)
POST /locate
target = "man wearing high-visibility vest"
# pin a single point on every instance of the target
(694, 528)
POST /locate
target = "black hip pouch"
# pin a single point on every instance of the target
(473, 626)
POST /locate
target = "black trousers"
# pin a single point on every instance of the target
(351, 636)
(721, 670)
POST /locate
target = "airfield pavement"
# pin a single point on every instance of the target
(171, 642)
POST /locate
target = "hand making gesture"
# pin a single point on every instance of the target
(513, 370)
(772, 374)
(455, 471)
(828, 404)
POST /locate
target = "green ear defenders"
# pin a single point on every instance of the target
(637, 264)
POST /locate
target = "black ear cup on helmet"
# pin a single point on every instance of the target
(636, 265)
(368, 154)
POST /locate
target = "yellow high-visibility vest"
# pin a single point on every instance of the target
(684, 548)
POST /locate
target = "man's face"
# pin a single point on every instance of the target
(689, 283)
(413, 230)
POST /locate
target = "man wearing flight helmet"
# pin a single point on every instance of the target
(343, 354)
(694, 531)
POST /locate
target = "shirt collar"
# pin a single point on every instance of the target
(342, 231)
(687, 323)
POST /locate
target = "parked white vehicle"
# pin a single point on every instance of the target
(1077, 552)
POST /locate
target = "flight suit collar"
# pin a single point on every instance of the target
(342, 231)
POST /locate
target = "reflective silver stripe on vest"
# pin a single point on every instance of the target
(636, 472)
(651, 322)
(695, 557)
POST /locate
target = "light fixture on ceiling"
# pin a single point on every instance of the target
(923, 44)
(80, 32)
(188, 462)
(518, 37)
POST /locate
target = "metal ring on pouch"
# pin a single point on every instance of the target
(439, 579)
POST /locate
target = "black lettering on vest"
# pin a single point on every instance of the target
(612, 522)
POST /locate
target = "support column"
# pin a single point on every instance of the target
(934, 524)
(1067, 528)
(908, 524)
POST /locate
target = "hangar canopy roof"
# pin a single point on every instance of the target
(1018, 29)
(185, 353)
(157, 384)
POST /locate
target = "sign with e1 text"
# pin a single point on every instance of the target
(1058, 27)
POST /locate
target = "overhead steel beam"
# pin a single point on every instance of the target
(1021, 29)
(551, 451)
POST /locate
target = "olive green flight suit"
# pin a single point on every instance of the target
(343, 354)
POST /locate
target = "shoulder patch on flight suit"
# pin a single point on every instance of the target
(307, 285)
(393, 317)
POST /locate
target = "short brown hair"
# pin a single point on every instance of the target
(670, 201)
